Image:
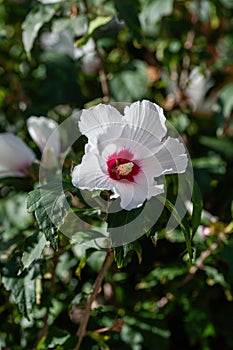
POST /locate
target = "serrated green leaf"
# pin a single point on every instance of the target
(33, 22)
(34, 246)
(33, 200)
(21, 286)
(50, 205)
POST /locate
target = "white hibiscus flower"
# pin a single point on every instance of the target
(125, 154)
(15, 156)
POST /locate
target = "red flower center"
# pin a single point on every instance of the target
(120, 168)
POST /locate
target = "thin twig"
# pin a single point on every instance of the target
(200, 261)
(103, 76)
(187, 59)
(102, 72)
(82, 330)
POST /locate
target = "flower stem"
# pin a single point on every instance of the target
(96, 287)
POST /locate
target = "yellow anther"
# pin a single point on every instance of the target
(124, 169)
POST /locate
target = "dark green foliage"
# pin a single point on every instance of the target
(167, 290)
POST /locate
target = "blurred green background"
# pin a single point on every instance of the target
(60, 56)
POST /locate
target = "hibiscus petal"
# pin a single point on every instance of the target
(147, 116)
(134, 195)
(151, 168)
(10, 173)
(119, 137)
(15, 155)
(89, 176)
(95, 120)
(42, 131)
(172, 156)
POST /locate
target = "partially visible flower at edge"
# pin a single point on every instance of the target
(15, 156)
(41, 130)
(125, 154)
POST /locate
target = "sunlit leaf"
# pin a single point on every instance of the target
(93, 25)
(54, 338)
(153, 11)
(49, 203)
(34, 246)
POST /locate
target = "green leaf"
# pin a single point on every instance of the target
(223, 146)
(98, 22)
(214, 164)
(34, 246)
(128, 11)
(90, 239)
(161, 274)
(124, 226)
(33, 23)
(123, 255)
(183, 225)
(93, 25)
(131, 83)
(49, 203)
(13, 211)
(197, 208)
(21, 286)
(75, 25)
(152, 12)
(225, 97)
(80, 266)
(54, 338)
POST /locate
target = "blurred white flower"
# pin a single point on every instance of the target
(199, 84)
(60, 42)
(63, 42)
(87, 53)
(43, 132)
(15, 156)
(41, 129)
(124, 154)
